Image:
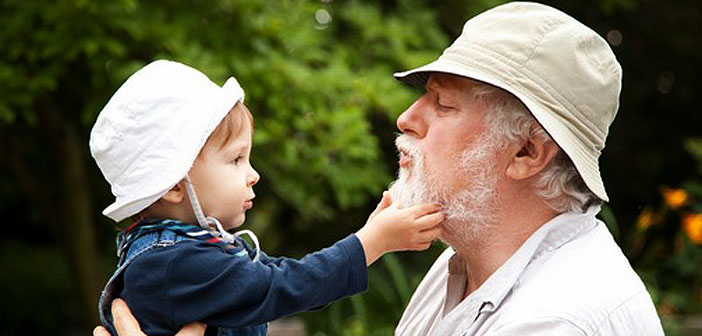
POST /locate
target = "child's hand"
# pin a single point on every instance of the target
(390, 228)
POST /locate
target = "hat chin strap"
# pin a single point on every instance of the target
(213, 225)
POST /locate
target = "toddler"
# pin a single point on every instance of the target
(175, 148)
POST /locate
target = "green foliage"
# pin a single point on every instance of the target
(610, 6)
(313, 84)
(308, 86)
(694, 147)
(667, 250)
(608, 217)
(24, 312)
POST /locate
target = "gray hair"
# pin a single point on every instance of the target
(559, 184)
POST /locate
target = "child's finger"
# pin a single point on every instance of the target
(431, 220)
(383, 204)
(425, 208)
(386, 201)
(430, 235)
(392, 204)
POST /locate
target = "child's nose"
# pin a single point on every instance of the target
(253, 177)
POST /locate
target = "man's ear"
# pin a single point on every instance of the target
(176, 194)
(532, 158)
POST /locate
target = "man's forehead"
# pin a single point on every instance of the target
(451, 84)
(439, 81)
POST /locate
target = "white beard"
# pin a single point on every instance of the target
(471, 211)
(407, 192)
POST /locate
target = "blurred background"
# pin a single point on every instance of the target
(318, 78)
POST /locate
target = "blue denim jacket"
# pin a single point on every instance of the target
(170, 279)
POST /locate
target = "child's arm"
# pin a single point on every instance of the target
(196, 281)
(390, 228)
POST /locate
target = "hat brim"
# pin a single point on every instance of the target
(586, 164)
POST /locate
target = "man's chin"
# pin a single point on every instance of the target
(447, 239)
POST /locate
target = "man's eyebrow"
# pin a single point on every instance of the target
(435, 83)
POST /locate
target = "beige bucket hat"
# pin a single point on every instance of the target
(147, 137)
(564, 72)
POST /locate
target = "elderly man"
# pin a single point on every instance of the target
(507, 136)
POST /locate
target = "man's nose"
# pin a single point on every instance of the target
(412, 121)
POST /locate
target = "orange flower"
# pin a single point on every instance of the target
(692, 224)
(675, 198)
(645, 219)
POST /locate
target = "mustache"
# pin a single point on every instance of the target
(408, 145)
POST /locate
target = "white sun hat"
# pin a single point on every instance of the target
(147, 137)
(564, 72)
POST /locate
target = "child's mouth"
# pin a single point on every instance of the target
(248, 204)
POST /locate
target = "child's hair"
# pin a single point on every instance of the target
(231, 125)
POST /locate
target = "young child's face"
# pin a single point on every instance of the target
(224, 178)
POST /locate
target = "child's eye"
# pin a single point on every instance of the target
(238, 160)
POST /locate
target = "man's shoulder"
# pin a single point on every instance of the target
(591, 263)
(585, 281)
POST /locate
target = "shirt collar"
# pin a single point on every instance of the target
(549, 237)
(145, 226)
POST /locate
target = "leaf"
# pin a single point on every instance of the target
(610, 220)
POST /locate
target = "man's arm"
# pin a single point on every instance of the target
(127, 325)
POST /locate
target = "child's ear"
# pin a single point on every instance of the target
(176, 194)
(532, 158)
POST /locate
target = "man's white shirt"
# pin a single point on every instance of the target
(568, 278)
